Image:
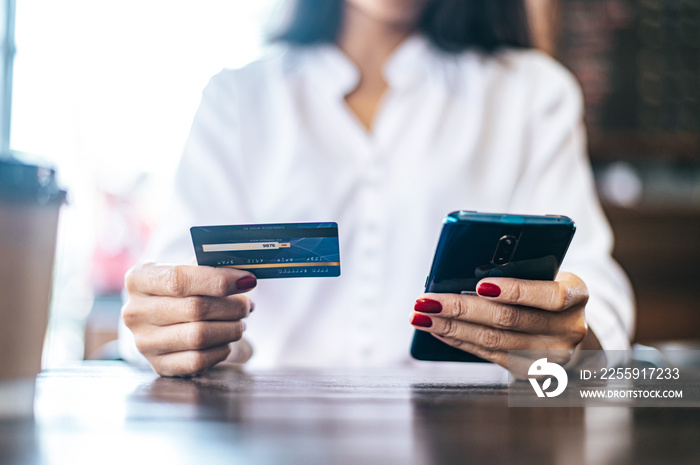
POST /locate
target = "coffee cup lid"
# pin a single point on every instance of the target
(26, 182)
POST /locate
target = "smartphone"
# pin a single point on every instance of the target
(474, 246)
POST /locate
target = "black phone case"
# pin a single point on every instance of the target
(465, 255)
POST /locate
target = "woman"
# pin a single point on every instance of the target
(381, 115)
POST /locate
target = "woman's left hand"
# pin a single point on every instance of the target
(508, 314)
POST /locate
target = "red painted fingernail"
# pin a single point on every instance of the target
(488, 290)
(252, 307)
(427, 306)
(421, 320)
(249, 282)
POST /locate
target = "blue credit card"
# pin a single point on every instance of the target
(291, 250)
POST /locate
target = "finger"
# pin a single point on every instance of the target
(186, 280)
(518, 363)
(565, 292)
(190, 362)
(488, 312)
(166, 311)
(189, 336)
(487, 337)
(241, 352)
(498, 357)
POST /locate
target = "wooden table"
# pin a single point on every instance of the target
(108, 412)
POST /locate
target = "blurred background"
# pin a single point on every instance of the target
(106, 90)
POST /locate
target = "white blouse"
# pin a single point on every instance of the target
(274, 142)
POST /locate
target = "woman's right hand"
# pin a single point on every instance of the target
(183, 317)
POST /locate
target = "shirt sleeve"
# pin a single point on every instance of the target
(209, 187)
(558, 180)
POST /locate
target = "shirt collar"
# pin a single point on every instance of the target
(410, 62)
(331, 69)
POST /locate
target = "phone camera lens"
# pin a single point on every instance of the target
(504, 250)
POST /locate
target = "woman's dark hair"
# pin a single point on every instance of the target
(451, 25)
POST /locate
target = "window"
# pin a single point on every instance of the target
(7, 31)
(105, 91)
